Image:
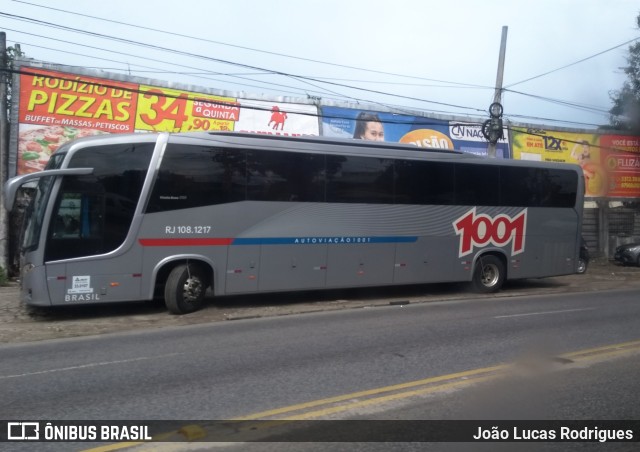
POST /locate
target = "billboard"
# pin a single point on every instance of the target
(621, 160)
(57, 107)
(610, 163)
(418, 130)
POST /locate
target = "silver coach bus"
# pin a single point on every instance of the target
(130, 217)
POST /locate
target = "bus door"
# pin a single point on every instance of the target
(76, 230)
(90, 222)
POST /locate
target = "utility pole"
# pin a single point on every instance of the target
(495, 110)
(4, 151)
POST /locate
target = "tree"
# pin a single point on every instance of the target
(625, 113)
(13, 53)
(7, 234)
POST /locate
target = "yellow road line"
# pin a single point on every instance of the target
(623, 347)
(325, 407)
(302, 406)
(118, 446)
(388, 398)
(394, 391)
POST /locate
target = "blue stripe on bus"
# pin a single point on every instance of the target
(339, 240)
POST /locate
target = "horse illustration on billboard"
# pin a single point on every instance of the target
(277, 118)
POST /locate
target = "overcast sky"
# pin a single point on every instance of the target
(435, 56)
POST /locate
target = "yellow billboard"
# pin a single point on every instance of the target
(564, 147)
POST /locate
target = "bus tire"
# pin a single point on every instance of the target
(185, 289)
(488, 275)
(582, 266)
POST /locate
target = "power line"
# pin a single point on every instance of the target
(304, 79)
(148, 59)
(421, 85)
(547, 120)
(566, 103)
(413, 120)
(197, 38)
(218, 60)
(400, 109)
(157, 70)
(572, 64)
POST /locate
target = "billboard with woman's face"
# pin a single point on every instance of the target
(420, 131)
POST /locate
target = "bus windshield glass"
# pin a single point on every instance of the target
(35, 214)
(92, 213)
(37, 206)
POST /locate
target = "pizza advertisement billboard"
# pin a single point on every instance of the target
(55, 108)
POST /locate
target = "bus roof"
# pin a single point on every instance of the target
(312, 139)
(308, 144)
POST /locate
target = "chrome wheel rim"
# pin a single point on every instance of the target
(192, 290)
(490, 275)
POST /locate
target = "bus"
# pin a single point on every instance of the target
(135, 217)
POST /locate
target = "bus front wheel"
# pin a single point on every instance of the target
(185, 289)
(488, 275)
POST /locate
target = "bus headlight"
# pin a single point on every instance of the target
(26, 269)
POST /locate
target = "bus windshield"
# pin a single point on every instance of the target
(35, 214)
(37, 207)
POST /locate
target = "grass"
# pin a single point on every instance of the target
(4, 279)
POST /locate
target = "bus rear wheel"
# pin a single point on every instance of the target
(185, 289)
(489, 274)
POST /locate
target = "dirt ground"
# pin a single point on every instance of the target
(19, 323)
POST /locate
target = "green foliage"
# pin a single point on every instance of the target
(625, 113)
(4, 279)
(13, 53)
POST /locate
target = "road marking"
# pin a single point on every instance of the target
(606, 351)
(542, 313)
(85, 366)
(465, 376)
(323, 407)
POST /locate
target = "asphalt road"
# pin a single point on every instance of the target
(283, 351)
(604, 390)
(19, 324)
(235, 369)
(225, 370)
